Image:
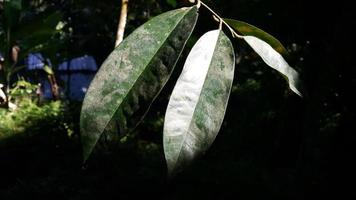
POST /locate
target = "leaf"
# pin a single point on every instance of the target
(270, 49)
(276, 61)
(14, 4)
(39, 39)
(2, 94)
(42, 29)
(134, 74)
(250, 30)
(42, 25)
(172, 3)
(197, 106)
(49, 48)
(48, 70)
(12, 9)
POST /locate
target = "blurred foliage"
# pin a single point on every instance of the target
(23, 90)
(27, 27)
(31, 117)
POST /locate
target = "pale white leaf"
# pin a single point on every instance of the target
(197, 105)
(275, 60)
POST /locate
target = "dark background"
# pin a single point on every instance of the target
(272, 144)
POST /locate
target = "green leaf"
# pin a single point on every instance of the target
(250, 30)
(270, 49)
(12, 9)
(198, 103)
(172, 3)
(48, 47)
(39, 39)
(275, 60)
(134, 74)
(42, 29)
(14, 4)
(43, 25)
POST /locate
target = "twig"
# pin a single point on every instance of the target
(122, 22)
(221, 20)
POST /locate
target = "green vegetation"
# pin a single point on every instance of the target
(136, 71)
(267, 142)
(31, 116)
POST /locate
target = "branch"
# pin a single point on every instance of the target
(220, 20)
(122, 22)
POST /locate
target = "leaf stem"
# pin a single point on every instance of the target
(220, 24)
(220, 20)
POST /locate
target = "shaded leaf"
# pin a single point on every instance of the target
(13, 4)
(250, 30)
(276, 61)
(49, 48)
(134, 74)
(42, 29)
(197, 106)
(12, 9)
(43, 25)
(172, 3)
(37, 41)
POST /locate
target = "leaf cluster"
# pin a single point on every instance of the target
(134, 74)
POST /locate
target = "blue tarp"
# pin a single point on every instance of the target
(76, 73)
(85, 63)
(34, 61)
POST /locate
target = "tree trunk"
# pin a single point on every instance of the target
(122, 22)
(54, 86)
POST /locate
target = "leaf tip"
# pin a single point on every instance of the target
(87, 147)
(297, 92)
(86, 153)
(171, 172)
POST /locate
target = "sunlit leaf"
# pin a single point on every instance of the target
(197, 106)
(48, 70)
(276, 61)
(134, 74)
(250, 30)
(2, 94)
